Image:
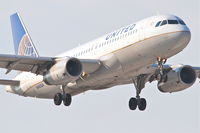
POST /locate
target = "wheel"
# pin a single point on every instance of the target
(67, 99)
(142, 104)
(132, 103)
(58, 99)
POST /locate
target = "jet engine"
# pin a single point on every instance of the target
(63, 71)
(178, 79)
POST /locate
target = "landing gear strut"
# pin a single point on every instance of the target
(135, 102)
(64, 97)
(162, 73)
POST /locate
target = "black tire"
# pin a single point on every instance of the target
(67, 99)
(132, 103)
(142, 104)
(58, 99)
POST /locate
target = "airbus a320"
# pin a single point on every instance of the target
(134, 54)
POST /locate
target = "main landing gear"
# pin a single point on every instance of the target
(135, 102)
(64, 97)
(139, 83)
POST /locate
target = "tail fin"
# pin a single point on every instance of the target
(22, 41)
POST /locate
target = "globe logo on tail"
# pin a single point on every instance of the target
(25, 47)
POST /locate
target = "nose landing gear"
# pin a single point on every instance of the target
(162, 73)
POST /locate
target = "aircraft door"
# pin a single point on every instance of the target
(142, 30)
(141, 33)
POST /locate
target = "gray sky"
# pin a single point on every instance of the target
(58, 25)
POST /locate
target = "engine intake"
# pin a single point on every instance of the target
(63, 71)
(187, 75)
(178, 79)
(74, 67)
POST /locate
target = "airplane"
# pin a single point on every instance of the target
(134, 54)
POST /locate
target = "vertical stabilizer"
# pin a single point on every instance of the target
(22, 42)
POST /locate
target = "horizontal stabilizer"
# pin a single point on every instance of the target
(9, 82)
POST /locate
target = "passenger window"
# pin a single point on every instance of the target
(172, 21)
(158, 24)
(164, 22)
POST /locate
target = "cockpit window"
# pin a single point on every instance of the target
(172, 21)
(181, 22)
(158, 24)
(164, 22)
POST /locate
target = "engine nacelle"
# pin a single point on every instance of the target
(178, 79)
(63, 71)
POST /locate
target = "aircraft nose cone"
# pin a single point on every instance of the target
(187, 36)
(182, 39)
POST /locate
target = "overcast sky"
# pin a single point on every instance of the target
(58, 25)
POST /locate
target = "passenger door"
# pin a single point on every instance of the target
(141, 33)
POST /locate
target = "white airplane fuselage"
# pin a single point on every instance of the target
(125, 53)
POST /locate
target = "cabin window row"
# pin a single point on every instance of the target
(105, 43)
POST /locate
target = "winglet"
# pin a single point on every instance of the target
(22, 42)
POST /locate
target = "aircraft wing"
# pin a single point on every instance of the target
(197, 70)
(90, 65)
(151, 73)
(35, 65)
(154, 68)
(39, 65)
